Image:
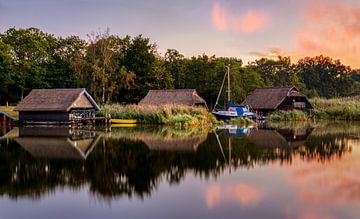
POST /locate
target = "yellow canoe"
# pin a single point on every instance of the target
(123, 125)
(123, 121)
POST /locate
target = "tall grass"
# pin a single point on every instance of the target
(292, 115)
(336, 109)
(328, 109)
(176, 115)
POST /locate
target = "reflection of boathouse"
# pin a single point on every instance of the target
(57, 106)
(57, 142)
(280, 138)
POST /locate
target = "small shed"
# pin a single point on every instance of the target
(57, 106)
(265, 100)
(187, 97)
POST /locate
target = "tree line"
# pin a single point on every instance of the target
(118, 69)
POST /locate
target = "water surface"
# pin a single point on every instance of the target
(282, 171)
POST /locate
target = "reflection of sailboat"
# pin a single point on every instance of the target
(233, 111)
(57, 142)
(235, 130)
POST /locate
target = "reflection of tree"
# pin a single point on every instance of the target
(122, 167)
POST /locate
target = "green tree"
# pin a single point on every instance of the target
(329, 78)
(59, 71)
(277, 73)
(97, 68)
(6, 73)
(175, 63)
(141, 58)
(31, 51)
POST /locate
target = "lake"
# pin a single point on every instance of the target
(283, 170)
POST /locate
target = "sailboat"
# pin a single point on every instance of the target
(233, 111)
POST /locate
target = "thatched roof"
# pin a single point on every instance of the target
(271, 98)
(54, 100)
(179, 96)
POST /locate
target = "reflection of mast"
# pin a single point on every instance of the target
(229, 155)
(222, 151)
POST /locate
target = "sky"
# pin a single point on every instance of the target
(246, 29)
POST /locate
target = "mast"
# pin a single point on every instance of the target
(228, 74)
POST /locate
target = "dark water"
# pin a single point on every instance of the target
(304, 171)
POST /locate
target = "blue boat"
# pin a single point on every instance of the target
(232, 111)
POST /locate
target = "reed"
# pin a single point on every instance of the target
(292, 115)
(176, 115)
(336, 109)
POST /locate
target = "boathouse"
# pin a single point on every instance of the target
(187, 97)
(265, 100)
(57, 106)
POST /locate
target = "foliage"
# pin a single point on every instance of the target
(118, 69)
(325, 77)
(337, 109)
(176, 115)
(241, 121)
(291, 115)
(277, 73)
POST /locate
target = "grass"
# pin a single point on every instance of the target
(10, 111)
(292, 115)
(241, 121)
(175, 115)
(336, 109)
(324, 109)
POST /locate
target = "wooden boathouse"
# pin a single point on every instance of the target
(265, 100)
(57, 106)
(187, 97)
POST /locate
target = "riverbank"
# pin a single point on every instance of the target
(175, 115)
(324, 109)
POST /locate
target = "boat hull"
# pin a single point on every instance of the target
(229, 117)
(123, 121)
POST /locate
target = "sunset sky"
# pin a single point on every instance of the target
(247, 29)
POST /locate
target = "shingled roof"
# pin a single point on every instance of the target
(270, 98)
(178, 96)
(53, 100)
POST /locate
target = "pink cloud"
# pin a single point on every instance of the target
(270, 53)
(330, 29)
(245, 195)
(227, 20)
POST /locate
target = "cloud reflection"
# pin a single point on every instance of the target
(333, 183)
(245, 195)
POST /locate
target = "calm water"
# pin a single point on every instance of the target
(299, 171)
